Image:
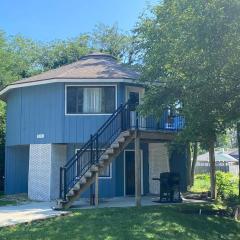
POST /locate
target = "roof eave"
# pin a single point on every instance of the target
(5, 90)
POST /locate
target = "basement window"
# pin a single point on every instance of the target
(90, 100)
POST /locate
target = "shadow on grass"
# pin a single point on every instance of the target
(155, 222)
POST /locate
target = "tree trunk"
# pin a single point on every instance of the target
(212, 170)
(188, 165)
(194, 161)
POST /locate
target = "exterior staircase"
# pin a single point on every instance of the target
(103, 147)
(89, 177)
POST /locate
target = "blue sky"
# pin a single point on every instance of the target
(46, 20)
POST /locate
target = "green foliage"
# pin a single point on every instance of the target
(190, 48)
(112, 40)
(61, 52)
(166, 222)
(201, 183)
(226, 185)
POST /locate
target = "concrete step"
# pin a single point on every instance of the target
(59, 204)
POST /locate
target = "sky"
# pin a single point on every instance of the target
(46, 20)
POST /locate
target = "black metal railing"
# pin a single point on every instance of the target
(124, 118)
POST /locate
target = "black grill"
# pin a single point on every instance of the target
(169, 187)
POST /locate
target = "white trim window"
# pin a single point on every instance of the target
(90, 99)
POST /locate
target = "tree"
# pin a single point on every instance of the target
(191, 60)
(112, 40)
(61, 52)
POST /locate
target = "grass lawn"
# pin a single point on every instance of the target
(181, 222)
(4, 201)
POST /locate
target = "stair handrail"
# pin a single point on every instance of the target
(122, 106)
(69, 167)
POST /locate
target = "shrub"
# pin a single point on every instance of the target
(226, 184)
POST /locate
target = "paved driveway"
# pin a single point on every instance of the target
(11, 215)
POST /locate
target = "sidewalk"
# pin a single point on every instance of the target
(11, 215)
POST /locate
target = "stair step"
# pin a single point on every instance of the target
(59, 204)
(110, 151)
(70, 193)
(115, 145)
(88, 174)
(94, 168)
(104, 157)
(76, 187)
(83, 180)
(125, 134)
(121, 140)
(101, 163)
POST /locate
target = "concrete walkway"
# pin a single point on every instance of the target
(126, 202)
(11, 215)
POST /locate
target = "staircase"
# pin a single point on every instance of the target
(104, 146)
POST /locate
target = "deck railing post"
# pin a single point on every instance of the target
(96, 160)
(91, 149)
(65, 182)
(60, 186)
(122, 117)
(137, 120)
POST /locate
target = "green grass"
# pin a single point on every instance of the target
(181, 222)
(4, 202)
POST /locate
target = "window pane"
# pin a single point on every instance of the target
(108, 101)
(105, 172)
(90, 99)
(79, 100)
(71, 99)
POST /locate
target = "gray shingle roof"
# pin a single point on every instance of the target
(92, 66)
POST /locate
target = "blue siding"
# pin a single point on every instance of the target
(16, 169)
(34, 110)
(41, 110)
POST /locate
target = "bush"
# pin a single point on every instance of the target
(226, 184)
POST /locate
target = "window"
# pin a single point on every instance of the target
(90, 100)
(106, 173)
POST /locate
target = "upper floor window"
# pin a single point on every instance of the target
(90, 100)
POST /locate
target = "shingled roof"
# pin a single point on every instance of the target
(95, 67)
(92, 66)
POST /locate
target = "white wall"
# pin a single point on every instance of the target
(158, 163)
(44, 164)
